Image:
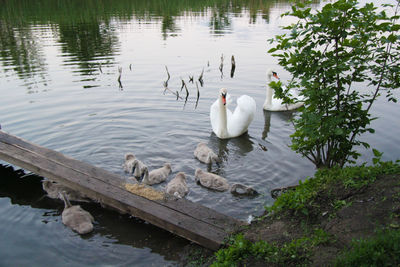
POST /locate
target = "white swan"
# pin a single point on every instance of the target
(275, 104)
(157, 176)
(226, 124)
(178, 186)
(205, 154)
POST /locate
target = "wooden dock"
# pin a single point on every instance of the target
(187, 219)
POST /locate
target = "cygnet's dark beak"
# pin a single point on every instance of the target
(224, 99)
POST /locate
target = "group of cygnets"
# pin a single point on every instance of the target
(81, 221)
(178, 185)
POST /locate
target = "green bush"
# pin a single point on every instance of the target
(332, 54)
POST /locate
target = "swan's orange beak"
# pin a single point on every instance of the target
(275, 75)
(224, 99)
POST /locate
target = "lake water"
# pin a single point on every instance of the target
(59, 67)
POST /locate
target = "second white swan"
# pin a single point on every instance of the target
(275, 104)
(226, 124)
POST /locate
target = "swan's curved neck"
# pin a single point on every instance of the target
(223, 131)
(270, 92)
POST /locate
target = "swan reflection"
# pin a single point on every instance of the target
(267, 124)
(283, 116)
(241, 145)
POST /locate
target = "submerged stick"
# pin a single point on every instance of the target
(186, 99)
(172, 92)
(184, 85)
(166, 86)
(221, 66)
(187, 91)
(100, 68)
(191, 78)
(233, 66)
(169, 76)
(119, 77)
(198, 95)
(201, 78)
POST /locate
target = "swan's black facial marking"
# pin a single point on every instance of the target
(223, 98)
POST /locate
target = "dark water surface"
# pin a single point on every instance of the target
(59, 69)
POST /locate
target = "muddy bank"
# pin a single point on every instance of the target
(344, 214)
(341, 212)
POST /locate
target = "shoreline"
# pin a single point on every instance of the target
(316, 223)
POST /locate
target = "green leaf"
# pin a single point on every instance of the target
(305, 211)
(339, 131)
(377, 153)
(392, 38)
(272, 50)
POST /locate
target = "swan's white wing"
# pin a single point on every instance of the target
(243, 115)
(229, 100)
(247, 104)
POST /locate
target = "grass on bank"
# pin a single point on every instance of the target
(302, 200)
(381, 250)
(377, 251)
(297, 252)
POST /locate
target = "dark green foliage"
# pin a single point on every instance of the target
(380, 250)
(341, 57)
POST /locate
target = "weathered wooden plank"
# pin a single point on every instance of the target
(187, 219)
(119, 198)
(197, 211)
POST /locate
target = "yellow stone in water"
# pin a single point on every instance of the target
(144, 191)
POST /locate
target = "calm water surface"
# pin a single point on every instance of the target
(59, 69)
